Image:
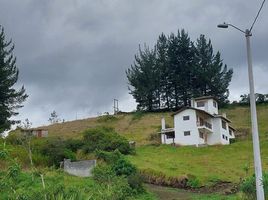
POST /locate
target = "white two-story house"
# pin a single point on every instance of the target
(199, 124)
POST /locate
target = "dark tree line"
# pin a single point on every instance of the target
(176, 70)
(259, 98)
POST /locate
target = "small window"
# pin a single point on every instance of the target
(200, 104)
(187, 133)
(201, 135)
(226, 138)
(186, 117)
(215, 104)
(223, 136)
(223, 124)
(230, 132)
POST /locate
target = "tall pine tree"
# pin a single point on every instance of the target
(143, 76)
(164, 71)
(10, 98)
(212, 77)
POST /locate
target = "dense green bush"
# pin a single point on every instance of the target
(124, 167)
(108, 157)
(248, 187)
(105, 139)
(14, 138)
(54, 149)
(118, 166)
(73, 144)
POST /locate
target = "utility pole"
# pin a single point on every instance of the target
(254, 123)
(253, 112)
(116, 110)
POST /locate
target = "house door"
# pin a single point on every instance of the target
(39, 133)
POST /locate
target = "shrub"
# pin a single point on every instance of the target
(103, 174)
(105, 139)
(135, 181)
(108, 157)
(107, 118)
(124, 167)
(73, 144)
(112, 186)
(248, 187)
(14, 138)
(193, 182)
(54, 149)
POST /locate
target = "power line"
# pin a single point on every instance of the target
(256, 16)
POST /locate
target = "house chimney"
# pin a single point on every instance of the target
(163, 123)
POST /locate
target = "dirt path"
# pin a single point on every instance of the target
(164, 193)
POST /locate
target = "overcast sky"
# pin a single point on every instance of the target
(72, 54)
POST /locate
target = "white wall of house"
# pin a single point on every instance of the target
(224, 133)
(215, 137)
(231, 133)
(210, 105)
(181, 126)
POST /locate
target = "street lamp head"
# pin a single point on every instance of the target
(224, 25)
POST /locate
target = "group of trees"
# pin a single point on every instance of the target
(176, 70)
(259, 98)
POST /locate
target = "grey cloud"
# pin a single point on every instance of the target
(72, 55)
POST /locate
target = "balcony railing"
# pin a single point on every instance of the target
(206, 124)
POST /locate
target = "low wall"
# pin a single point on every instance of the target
(79, 168)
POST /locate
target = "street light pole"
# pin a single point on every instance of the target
(253, 112)
(254, 123)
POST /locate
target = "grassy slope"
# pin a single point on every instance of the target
(217, 162)
(211, 163)
(135, 127)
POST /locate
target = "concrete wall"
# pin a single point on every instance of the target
(79, 168)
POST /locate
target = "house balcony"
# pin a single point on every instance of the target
(204, 126)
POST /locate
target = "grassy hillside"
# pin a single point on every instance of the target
(139, 126)
(136, 126)
(208, 164)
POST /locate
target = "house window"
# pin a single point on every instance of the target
(200, 104)
(223, 124)
(230, 132)
(201, 135)
(215, 104)
(226, 138)
(187, 133)
(186, 117)
(223, 136)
